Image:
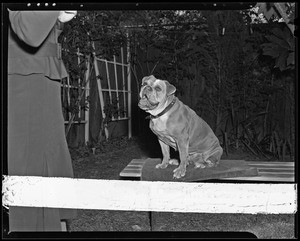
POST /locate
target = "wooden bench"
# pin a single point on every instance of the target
(267, 171)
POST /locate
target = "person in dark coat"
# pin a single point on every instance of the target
(36, 136)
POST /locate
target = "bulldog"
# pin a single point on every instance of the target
(179, 127)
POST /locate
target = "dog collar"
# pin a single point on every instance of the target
(164, 111)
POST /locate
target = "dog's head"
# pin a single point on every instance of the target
(154, 93)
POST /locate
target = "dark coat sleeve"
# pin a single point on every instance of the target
(33, 27)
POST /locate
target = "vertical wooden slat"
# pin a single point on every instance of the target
(108, 80)
(63, 98)
(129, 88)
(68, 95)
(79, 88)
(117, 89)
(87, 93)
(123, 81)
(100, 91)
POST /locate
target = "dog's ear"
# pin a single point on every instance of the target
(147, 78)
(170, 88)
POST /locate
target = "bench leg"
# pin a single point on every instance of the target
(152, 219)
(63, 226)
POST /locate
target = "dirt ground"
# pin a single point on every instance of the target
(108, 162)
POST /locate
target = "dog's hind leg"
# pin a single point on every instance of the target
(214, 158)
(197, 159)
(207, 159)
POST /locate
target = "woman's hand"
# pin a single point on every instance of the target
(66, 16)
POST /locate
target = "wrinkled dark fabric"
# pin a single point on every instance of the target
(36, 137)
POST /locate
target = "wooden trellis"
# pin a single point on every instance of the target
(67, 86)
(114, 87)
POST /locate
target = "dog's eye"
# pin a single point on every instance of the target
(148, 88)
(157, 88)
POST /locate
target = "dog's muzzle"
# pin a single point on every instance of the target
(145, 102)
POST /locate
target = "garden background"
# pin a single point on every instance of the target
(235, 68)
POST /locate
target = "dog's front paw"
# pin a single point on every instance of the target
(173, 162)
(200, 165)
(179, 172)
(161, 165)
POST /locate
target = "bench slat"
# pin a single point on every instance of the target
(284, 164)
(275, 170)
(262, 178)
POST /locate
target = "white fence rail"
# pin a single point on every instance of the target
(149, 196)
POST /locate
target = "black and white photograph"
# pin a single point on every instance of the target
(169, 120)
